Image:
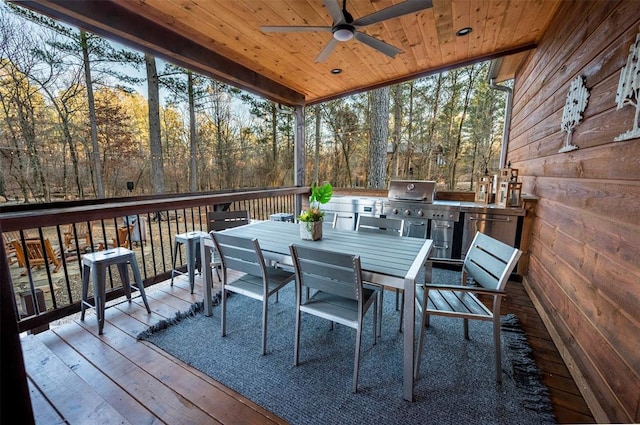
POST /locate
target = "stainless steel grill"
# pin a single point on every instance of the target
(413, 201)
(412, 191)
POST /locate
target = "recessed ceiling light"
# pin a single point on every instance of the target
(464, 31)
(336, 71)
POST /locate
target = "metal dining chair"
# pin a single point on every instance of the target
(389, 226)
(221, 220)
(259, 282)
(333, 282)
(329, 220)
(489, 263)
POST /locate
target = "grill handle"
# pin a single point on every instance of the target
(502, 220)
(416, 223)
(442, 226)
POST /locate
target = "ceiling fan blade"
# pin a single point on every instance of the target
(324, 54)
(404, 8)
(379, 45)
(335, 11)
(293, 29)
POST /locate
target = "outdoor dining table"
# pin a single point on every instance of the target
(386, 260)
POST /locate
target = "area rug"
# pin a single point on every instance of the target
(456, 384)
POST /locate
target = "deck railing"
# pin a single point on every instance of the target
(45, 242)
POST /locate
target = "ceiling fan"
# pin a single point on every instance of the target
(345, 28)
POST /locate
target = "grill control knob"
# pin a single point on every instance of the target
(407, 212)
(394, 211)
(420, 213)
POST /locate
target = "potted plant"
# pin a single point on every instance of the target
(311, 219)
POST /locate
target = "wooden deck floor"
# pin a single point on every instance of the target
(76, 377)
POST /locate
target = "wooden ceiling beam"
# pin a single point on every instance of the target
(114, 22)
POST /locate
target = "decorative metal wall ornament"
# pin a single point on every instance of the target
(577, 100)
(629, 89)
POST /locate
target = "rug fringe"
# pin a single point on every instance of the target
(194, 309)
(525, 373)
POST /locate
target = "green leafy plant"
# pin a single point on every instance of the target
(319, 195)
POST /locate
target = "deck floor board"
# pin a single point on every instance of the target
(130, 381)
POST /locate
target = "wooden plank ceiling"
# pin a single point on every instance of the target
(224, 39)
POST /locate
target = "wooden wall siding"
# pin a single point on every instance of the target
(585, 242)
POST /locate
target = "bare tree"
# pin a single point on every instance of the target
(378, 140)
(342, 119)
(92, 115)
(155, 141)
(396, 137)
(18, 99)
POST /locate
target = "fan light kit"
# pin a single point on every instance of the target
(343, 33)
(345, 28)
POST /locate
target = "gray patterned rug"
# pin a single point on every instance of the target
(457, 383)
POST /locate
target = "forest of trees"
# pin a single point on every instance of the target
(74, 124)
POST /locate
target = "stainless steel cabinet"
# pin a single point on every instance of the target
(347, 209)
(499, 226)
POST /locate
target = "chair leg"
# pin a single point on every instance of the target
(376, 321)
(401, 312)
(356, 362)
(497, 347)
(296, 346)
(378, 309)
(423, 323)
(265, 315)
(466, 328)
(223, 310)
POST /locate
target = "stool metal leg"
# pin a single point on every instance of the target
(175, 257)
(99, 276)
(124, 276)
(191, 262)
(139, 285)
(86, 270)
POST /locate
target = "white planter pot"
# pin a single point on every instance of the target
(310, 230)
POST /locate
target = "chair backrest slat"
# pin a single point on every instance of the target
(220, 220)
(328, 271)
(241, 254)
(329, 219)
(490, 261)
(380, 225)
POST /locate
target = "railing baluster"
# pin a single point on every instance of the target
(156, 261)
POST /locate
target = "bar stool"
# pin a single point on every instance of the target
(192, 241)
(96, 264)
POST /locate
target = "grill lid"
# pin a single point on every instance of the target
(412, 190)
